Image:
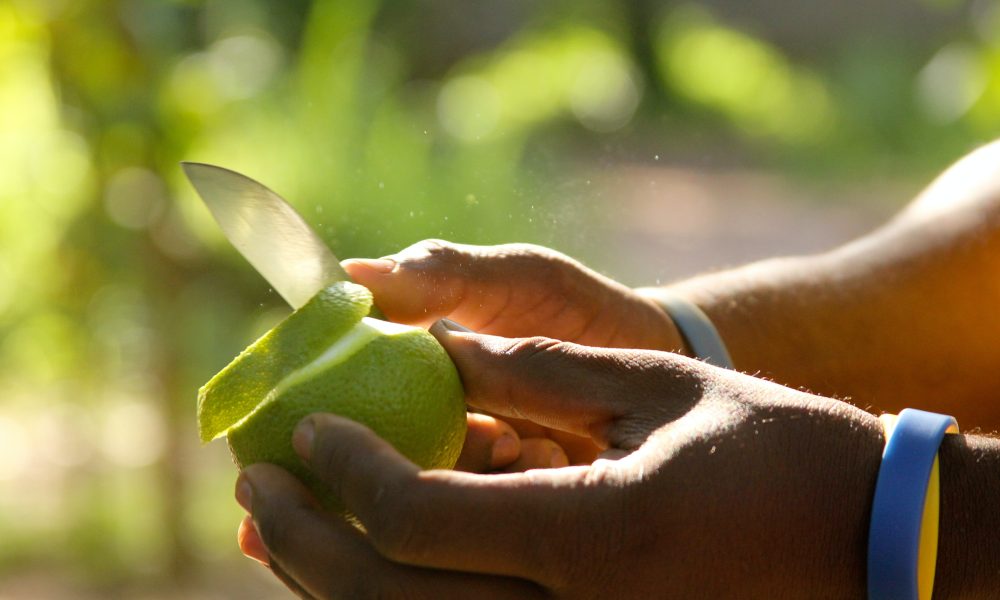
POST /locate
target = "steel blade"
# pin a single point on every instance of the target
(268, 232)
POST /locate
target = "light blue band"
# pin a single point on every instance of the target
(697, 330)
(898, 507)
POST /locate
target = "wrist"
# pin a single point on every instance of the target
(779, 318)
(668, 337)
(699, 335)
(840, 448)
(968, 544)
(728, 299)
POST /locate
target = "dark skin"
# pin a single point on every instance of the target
(763, 490)
(719, 451)
(515, 290)
(714, 486)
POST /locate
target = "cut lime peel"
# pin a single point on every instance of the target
(327, 357)
(216, 413)
(342, 349)
(339, 351)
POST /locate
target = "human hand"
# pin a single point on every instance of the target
(513, 290)
(729, 486)
(495, 445)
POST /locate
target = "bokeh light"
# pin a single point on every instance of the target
(649, 141)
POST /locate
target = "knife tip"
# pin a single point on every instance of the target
(190, 167)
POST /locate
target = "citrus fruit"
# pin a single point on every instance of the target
(329, 357)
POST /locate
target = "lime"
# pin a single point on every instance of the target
(329, 357)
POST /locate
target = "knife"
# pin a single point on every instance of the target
(268, 232)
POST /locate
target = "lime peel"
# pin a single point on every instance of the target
(365, 331)
(240, 387)
(395, 379)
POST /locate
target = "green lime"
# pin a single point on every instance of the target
(328, 357)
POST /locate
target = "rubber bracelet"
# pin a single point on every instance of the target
(697, 330)
(902, 535)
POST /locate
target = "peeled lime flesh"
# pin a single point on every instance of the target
(237, 389)
(328, 357)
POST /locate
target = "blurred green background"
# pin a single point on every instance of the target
(650, 139)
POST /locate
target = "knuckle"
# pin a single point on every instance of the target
(542, 357)
(537, 260)
(436, 259)
(328, 461)
(530, 252)
(432, 244)
(526, 362)
(532, 260)
(532, 349)
(439, 251)
(276, 535)
(398, 529)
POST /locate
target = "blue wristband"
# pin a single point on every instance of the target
(694, 326)
(898, 507)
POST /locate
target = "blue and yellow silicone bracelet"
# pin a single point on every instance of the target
(903, 533)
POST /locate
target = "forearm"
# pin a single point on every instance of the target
(906, 316)
(968, 564)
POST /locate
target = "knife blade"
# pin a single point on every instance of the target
(268, 232)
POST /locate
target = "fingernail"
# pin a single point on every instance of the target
(302, 438)
(453, 326)
(504, 451)
(558, 459)
(244, 493)
(379, 265)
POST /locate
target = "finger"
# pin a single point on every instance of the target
(490, 444)
(579, 450)
(617, 397)
(527, 429)
(538, 453)
(249, 541)
(427, 281)
(324, 557)
(511, 524)
(515, 289)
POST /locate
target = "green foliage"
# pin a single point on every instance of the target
(384, 124)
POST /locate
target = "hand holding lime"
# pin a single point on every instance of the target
(329, 357)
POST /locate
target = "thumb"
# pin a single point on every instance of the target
(579, 389)
(405, 294)
(426, 281)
